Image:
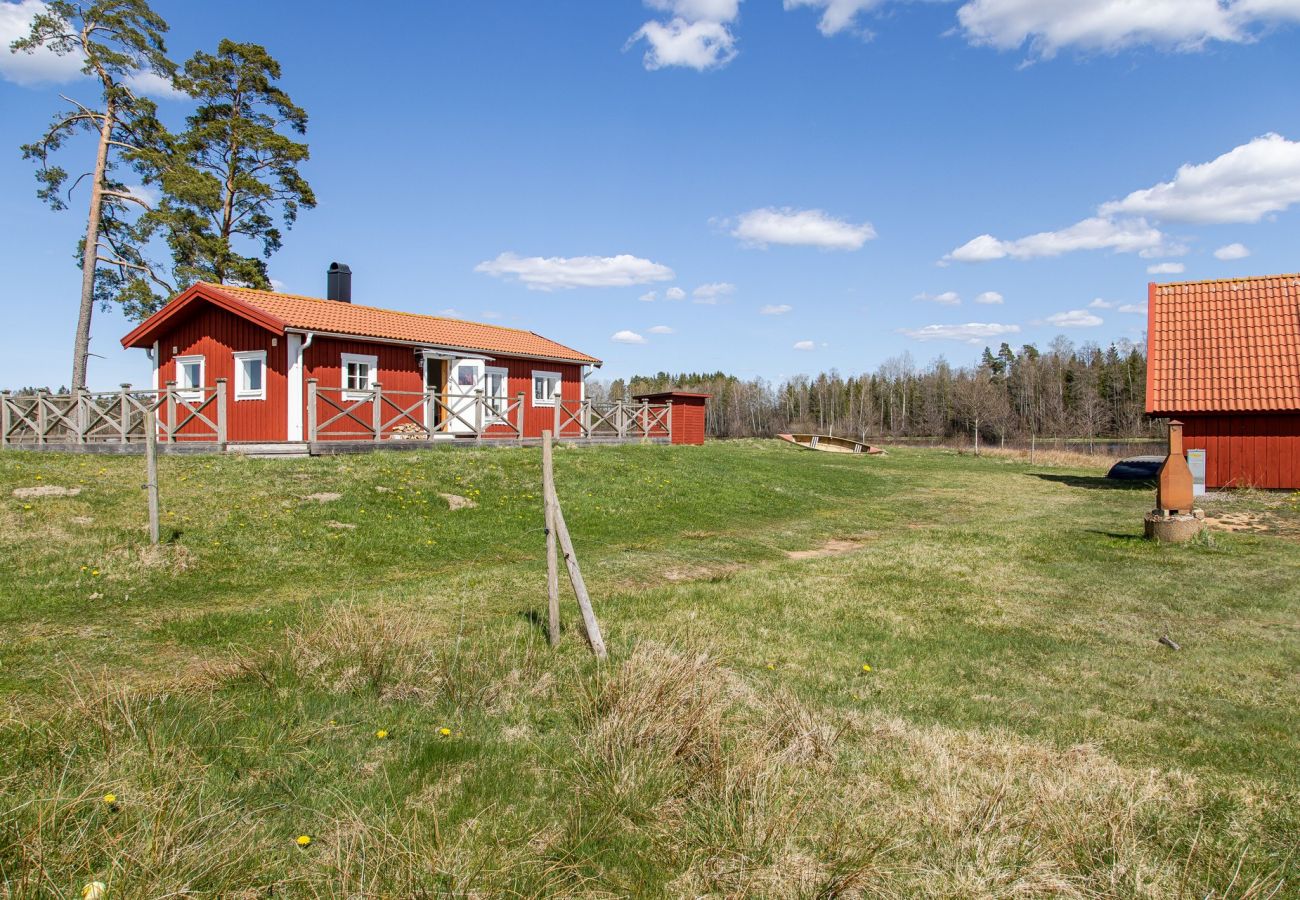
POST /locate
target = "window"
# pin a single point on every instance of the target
(250, 375)
(546, 385)
(495, 386)
(359, 375)
(189, 377)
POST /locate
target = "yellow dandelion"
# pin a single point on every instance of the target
(304, 840)
(95, 572)
(382, 734)
(110, 799)
(771, 665)
(866, 668)
(445, 732)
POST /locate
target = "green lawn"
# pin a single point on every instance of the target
(1019, 732)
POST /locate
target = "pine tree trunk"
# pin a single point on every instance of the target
(90, 255)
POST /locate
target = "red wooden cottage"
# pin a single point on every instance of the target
(1223, 357)
(438, 376)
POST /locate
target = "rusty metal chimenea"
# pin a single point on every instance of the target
(1174, 519)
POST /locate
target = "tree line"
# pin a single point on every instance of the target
(1060, 391)
(214, 192)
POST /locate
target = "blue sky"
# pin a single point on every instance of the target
(825, 183)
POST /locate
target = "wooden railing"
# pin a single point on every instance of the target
(377, 414)
(195, 415)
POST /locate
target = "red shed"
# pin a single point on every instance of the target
(1224, 357)
(439, 376)
(688, 413)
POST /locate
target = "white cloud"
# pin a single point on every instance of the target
(1243, 185)
(648, 297)
(989, 298)
(1123, 236)
(805, 345)
(1048, 26)
(837, 15)
(709, 294)
(144, 193)
(1100, 304)
(1133, 308)
(775, 309)
(627, 337)
(450, 312)
(1075, 318)
(44, 66)
(490, 314)
(697, 36)
(674, 293)
(947, 298)
(970, 333)
(801, 228)
(557, 272)
(1232, 251)
(660, 329)
(1169, 268)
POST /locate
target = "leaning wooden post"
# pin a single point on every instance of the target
(559, 408)
(6, 418)
(552, 561)
(221, 411)
(170, 424)
(311, 409)
(151, 470)
(378, 412)
(575, 578)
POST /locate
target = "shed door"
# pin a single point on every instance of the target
(466, 379)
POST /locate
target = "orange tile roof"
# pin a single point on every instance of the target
(1224, 346)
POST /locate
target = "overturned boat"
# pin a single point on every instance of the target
(830, 444)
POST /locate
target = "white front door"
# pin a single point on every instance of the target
(463, 383)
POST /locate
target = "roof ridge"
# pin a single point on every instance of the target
(1226, 280)
(397, 312)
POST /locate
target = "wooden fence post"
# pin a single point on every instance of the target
(559, 408)
(151, 470)
(40, 417)
(1031, 448)
(552, 561)
(311, 409)
(594, 637)
(519, 413)
(80, 414)
(377, 414)
(645, 418)
(586, 418)
(221, 410)
(124, 411)
(478, 414)
(170, 424)
(6, 420)
(668, 417)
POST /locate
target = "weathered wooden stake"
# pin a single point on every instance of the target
(552, 562)
(151, 470)
(575, 573)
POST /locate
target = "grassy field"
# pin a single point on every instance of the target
(919, 675)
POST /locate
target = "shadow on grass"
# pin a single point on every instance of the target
(1117, 535)
(1097, 482)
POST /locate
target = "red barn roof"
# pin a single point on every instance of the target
(278, 312)
(1224, 346)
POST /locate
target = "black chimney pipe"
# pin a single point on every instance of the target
(338, 283)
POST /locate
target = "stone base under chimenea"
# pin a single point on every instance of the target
(1173, 528)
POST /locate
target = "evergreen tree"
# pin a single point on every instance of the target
(119, 40)
(234, 171)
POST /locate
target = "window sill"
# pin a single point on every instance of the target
(250, 396)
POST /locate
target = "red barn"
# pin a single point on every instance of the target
(1224, 358)
(271, 353)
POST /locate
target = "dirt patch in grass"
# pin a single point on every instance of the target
(324, 497)
(456, 501)
(832, 547)
(45, 490)
(341, 526)
(690, 572)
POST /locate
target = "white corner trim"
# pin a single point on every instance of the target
(293, 350)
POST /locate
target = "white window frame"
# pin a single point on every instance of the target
(372, 374)
(497, 412)
(553, 376)
(190, 393)
(242, 390)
